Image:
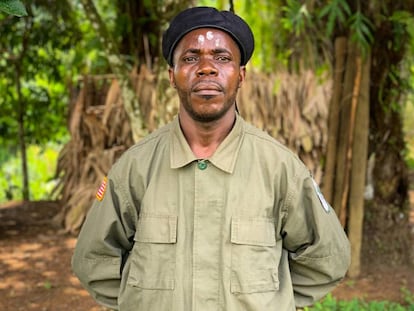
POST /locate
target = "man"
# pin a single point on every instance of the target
(209, 213)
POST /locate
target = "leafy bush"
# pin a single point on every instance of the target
(41, 167)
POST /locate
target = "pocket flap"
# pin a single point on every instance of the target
(156, 229)
(153, 283)
(253, 231)
(263, 281)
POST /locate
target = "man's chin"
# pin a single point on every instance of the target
(206, 118)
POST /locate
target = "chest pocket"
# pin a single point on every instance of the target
(153, 255)
(255, 256)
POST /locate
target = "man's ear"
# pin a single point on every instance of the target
(171, 76)
(242, 75)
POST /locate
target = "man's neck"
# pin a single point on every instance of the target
(205, 138)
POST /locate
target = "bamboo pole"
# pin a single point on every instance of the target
(333, 118)
(358, 171)
(344, 127)
(348, 160)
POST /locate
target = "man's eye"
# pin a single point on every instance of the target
(190, 59)
(222, 58)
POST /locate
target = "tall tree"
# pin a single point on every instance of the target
(17, 8)
(31, 75)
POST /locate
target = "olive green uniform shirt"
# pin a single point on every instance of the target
(246, 229)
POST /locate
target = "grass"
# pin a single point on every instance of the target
(330, 303)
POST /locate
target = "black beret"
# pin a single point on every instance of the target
(206, 17)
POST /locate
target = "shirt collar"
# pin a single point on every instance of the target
(223, 158)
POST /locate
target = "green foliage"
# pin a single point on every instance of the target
(295, 18)
(408, 297)
(13, 7)
(33, 74)
(361, 30)
(336, 11)
(41, 171)
(52, 47)
(262, 16)
(218, 4)
(329, 303)
(404, 24)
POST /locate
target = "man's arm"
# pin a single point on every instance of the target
(104, 242)
(319, 251)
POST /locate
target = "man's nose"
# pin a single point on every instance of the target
(206, 68)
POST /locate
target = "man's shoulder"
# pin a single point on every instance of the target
(147, 147)
(154, 138)
(268, 145)
(262, 137)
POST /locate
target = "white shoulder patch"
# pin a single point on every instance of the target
(324, 203)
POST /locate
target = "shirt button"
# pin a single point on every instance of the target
(202, 165)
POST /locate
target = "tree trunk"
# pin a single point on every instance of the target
(130, 99)
(22, 138)
(333, 122)
(358, 172)
(21, 110)
(344, 130)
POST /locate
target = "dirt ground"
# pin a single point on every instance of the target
(35, 269)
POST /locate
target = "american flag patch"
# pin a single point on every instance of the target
(101, 191)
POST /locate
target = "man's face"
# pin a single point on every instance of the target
(207, 73)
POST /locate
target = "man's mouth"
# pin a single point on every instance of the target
(207, 89)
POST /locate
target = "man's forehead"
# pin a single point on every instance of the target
(203, 36)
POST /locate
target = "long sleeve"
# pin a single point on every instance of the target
(319, 251)
(104, 242)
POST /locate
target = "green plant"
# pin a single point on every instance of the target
(42, 166)
(330, 303)
(47, 285)
(408, 296)
(336, 10)
(13, 7)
